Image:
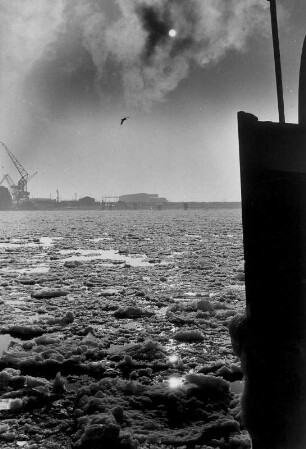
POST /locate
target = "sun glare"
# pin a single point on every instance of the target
(175, 382)
(173, 358)
(172, 33)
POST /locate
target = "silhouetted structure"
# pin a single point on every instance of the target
(19, 191)
(42, 203)
(273, 185)
(87, 201)
(142, 198)
(5, 198)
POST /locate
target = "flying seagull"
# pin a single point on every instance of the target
(123, 119)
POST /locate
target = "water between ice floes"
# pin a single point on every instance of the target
(17, 243)
(81, 255)
(84, 255)
(237, 387)
(4, 342)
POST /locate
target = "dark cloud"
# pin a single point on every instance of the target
(85, 54)
(68, 76)
(205, 31)
(156, 22)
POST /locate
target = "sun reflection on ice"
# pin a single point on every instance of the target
(173, 358)
(175, 382)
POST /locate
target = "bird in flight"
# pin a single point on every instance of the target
(123, 120)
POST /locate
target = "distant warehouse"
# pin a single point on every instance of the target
(87, 201)
(142, 198)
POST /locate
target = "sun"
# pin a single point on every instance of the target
(172, 33)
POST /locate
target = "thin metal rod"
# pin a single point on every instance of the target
(277, 60)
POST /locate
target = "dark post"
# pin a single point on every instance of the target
(302, 88)
(277, 60)
(273, 187)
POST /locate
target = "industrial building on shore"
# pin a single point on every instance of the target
(17, 197)
(138, 201)
(142, 198)
(5, 199)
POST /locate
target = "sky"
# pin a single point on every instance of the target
(181, 70)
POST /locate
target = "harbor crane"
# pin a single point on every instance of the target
(9, 182)
(11, 185)
(19, 191)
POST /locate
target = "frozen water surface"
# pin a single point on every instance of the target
(175, 382)
(174, 246)
(4, 342)
(46, 241)
(237, 386)
(41, 268)
(84, 255)
(17, 243)
(15, 302)
(5, 404)
(101, 239)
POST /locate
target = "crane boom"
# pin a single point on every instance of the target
(23, 173)
(19, 191)
(8, 179)
(30, 177)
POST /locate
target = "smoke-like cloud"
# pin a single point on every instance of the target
(75, 50)
(28, 28)
(205, 31)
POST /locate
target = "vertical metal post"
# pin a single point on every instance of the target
(273, 186)
(277, 60)
(302, 88)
